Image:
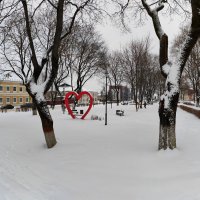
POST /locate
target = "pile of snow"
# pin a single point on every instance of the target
(96, 162)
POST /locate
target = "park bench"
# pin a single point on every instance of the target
(74, 111)
(120, 112)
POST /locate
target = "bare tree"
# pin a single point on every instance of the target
(153, 79)
(115, 71)
(15, 49)
(158, 79)
(44, 49)
(137, 62)
(172, 71)
(185, 87)
(36, 86)
(7, 7)
(193, 72)
(85, 56)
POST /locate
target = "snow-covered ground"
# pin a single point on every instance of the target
(92, 161)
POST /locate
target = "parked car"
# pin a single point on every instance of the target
(8, 106)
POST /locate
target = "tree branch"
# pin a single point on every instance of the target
(37, 8)
(56, 45)
(29, 33)
(78, 9)
(52, 4)
(154, 15)
(160, 34)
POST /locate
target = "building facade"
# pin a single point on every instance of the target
(187, 94)
(85, 100)
(124, 93)
(14, 93)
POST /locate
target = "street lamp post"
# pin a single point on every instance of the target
(106, 103)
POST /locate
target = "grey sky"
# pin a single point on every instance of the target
(116, 39)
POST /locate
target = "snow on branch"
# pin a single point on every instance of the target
(38, 89)
(153, 13)
(160, 5)
(166, 67)
(193, 34)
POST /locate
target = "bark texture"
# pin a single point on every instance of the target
(167, 136)
(47, 123)
(34, 109)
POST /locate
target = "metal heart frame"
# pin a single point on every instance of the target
(78, 96)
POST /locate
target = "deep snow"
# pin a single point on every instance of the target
(92, 161)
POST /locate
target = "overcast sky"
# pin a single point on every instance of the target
(116, 39)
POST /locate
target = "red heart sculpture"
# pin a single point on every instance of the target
(78, 96)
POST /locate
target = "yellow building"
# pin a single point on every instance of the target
(14, 93)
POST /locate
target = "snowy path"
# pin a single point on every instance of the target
(96, 162)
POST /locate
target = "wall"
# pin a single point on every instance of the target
(15, 92)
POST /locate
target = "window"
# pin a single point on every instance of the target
(14, 89)
(7, 88)
(1, 100)
(14, 100)
(8, 100)
(1, 88)
(20, 89)
(20, 100)
(27, 99)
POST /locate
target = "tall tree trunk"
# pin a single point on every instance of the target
(167, 136)
(45, 116)
(135, 99)
(117, 91)
(47, 123)
(34, 109)
(197, 104)
(168, 102)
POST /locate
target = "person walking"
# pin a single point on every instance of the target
(145, 104)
